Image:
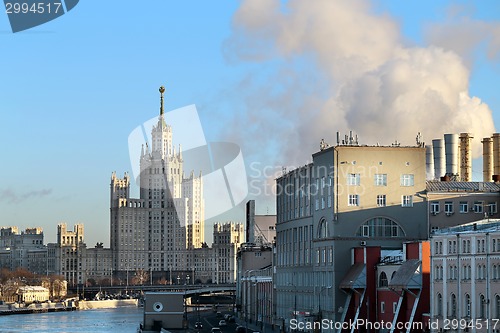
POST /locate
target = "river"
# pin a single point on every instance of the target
(123, 320)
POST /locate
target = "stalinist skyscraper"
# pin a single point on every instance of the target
(157, 231)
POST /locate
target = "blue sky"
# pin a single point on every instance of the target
(73, 89)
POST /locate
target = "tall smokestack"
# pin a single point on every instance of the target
(250, 234)
(465, 157)
(487, 159)
(439, 158)
(451, 151)
(496, 154)
(429, 162)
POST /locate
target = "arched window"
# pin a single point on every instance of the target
(380, 227)
(482, 306)
(382, 280)
(467, 305)
(439, 305)
(323, 230)
(453, 305)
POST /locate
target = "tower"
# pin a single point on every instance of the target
(156, 231)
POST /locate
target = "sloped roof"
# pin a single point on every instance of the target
(454, 186)
(355, 277)
(408, 276)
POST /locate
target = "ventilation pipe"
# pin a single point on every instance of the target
(429, 162)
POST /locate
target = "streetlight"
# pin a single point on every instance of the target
(178, 279)
(187, 278)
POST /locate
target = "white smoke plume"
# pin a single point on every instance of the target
(343, 67)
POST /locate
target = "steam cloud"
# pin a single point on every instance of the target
(12, 197)
(343, 67)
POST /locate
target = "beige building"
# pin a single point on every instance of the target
(350, 195)
(465, 277)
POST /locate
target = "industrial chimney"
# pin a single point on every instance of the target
(496, 154)
(429, 162)
(487, 159)
(465, 157)
(439, 158)
(451, 151)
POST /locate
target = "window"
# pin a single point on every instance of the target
(453, 305)
(407, 180)
(382, 307)
(380, 227)
(394, 307)
(407, 201)
(353, 179)
(382, 280)
(380, 179)
(353, 200)
(467, 305)
(478, 206)
(482, 306)
(464, 207)
(316, 204)
(439, 305)
(493, 208)
(381, 200)
(434, 207)
(497, 306)
(448, 207)
(323, 229)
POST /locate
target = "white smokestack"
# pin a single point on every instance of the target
(465, 157)
(487, 159)
(451, 151)
(439, 158)
(429, 162)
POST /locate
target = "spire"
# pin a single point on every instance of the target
(162, 90)
(180, 151)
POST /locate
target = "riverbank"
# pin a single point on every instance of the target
(11, 309)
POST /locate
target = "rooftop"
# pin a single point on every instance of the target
(454, 186)
(481, 226)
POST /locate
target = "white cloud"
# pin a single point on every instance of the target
(343, 67)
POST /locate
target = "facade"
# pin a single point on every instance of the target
(260, 229)
(465, 275)
(255, 276)
(71, 253)
(388, 288)
(99, 264)
(350, 195)
(217, 264)
(453, 203)
(23, 249)
(30, 294)
(154, 232)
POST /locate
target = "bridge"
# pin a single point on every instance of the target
(188, 289)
